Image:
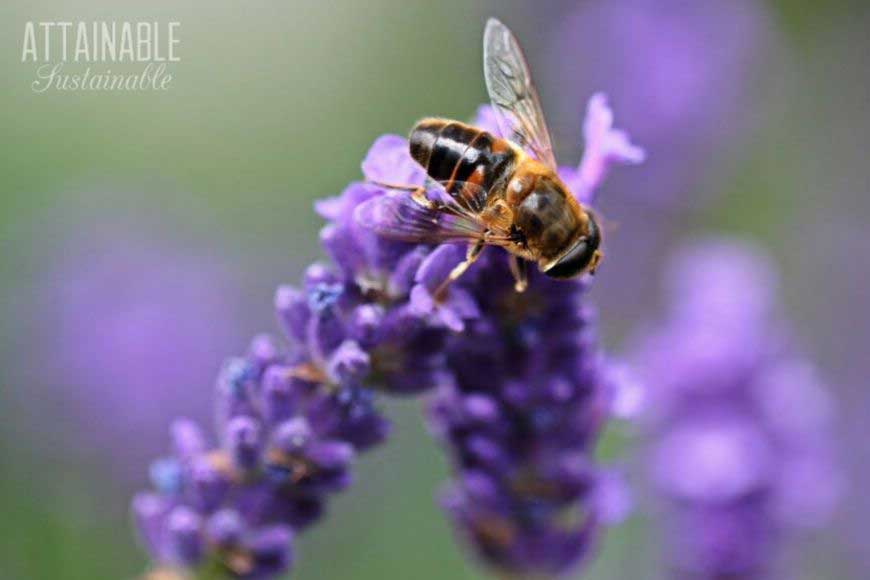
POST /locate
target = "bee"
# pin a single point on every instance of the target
(489, 191)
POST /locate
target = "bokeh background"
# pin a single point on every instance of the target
(142, 234)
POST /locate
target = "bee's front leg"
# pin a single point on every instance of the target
(460, 269)
(519, 268)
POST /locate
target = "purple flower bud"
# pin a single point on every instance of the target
(306, 464)
(355, 253)
(574, 474)
(717, 459)
(350, 415)
(324, 333)
(450, 312)
(225, 528)
(281, 392)
(481, 409)
(262, 352)
(293, 436)
(208, 485)
(234, 377)
(318, 274)
(389, 161)
(486, 119)
(365, 324)
(483, 452)
(272, 551)
(349, 362)
(331, 454)
(188, 440)
(149, 513)
(437, 266)
(184, 536)
(244, 440)
(613, 497)
(292, 308)
(405, 273)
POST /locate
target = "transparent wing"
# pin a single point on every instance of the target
(397, 215)
(439, 213)
(512, 93)
(463, 196)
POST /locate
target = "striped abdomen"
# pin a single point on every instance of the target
(451, 151)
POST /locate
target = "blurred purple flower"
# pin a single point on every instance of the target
(129, 311)
(522, 393)
(739, 424)
(680, 73)
(688, 78)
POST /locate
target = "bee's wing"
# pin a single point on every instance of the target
(513, 94)
(433, 216)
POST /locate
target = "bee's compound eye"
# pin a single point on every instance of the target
(573, 262)
(582, 256)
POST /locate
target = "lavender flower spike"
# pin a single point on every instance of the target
(530, 392)
(739, 424)
(293, 416)
(521, 396)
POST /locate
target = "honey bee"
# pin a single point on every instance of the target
(484, 190)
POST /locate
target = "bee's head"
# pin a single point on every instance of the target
(583, 256)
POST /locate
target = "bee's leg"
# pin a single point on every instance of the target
(396, 186)
(418, 193)
(460, 268)
(519, 268)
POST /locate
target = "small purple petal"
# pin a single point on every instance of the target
(389, 160)
(613, 498)
(244, 441)
(292, 435)
(272, 550)
(225, 528)
(184, 536)
(402, 278)
(149, 513)
(605, 146)
(437, 266)
(188, 440)
(487, 120)
(280, 394)
(628, 393)
(207, 485)
(348, 362)
(365, 324)
(331, 454)
(262, 352)
(293, 313)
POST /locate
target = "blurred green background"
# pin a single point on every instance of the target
(274, 105)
